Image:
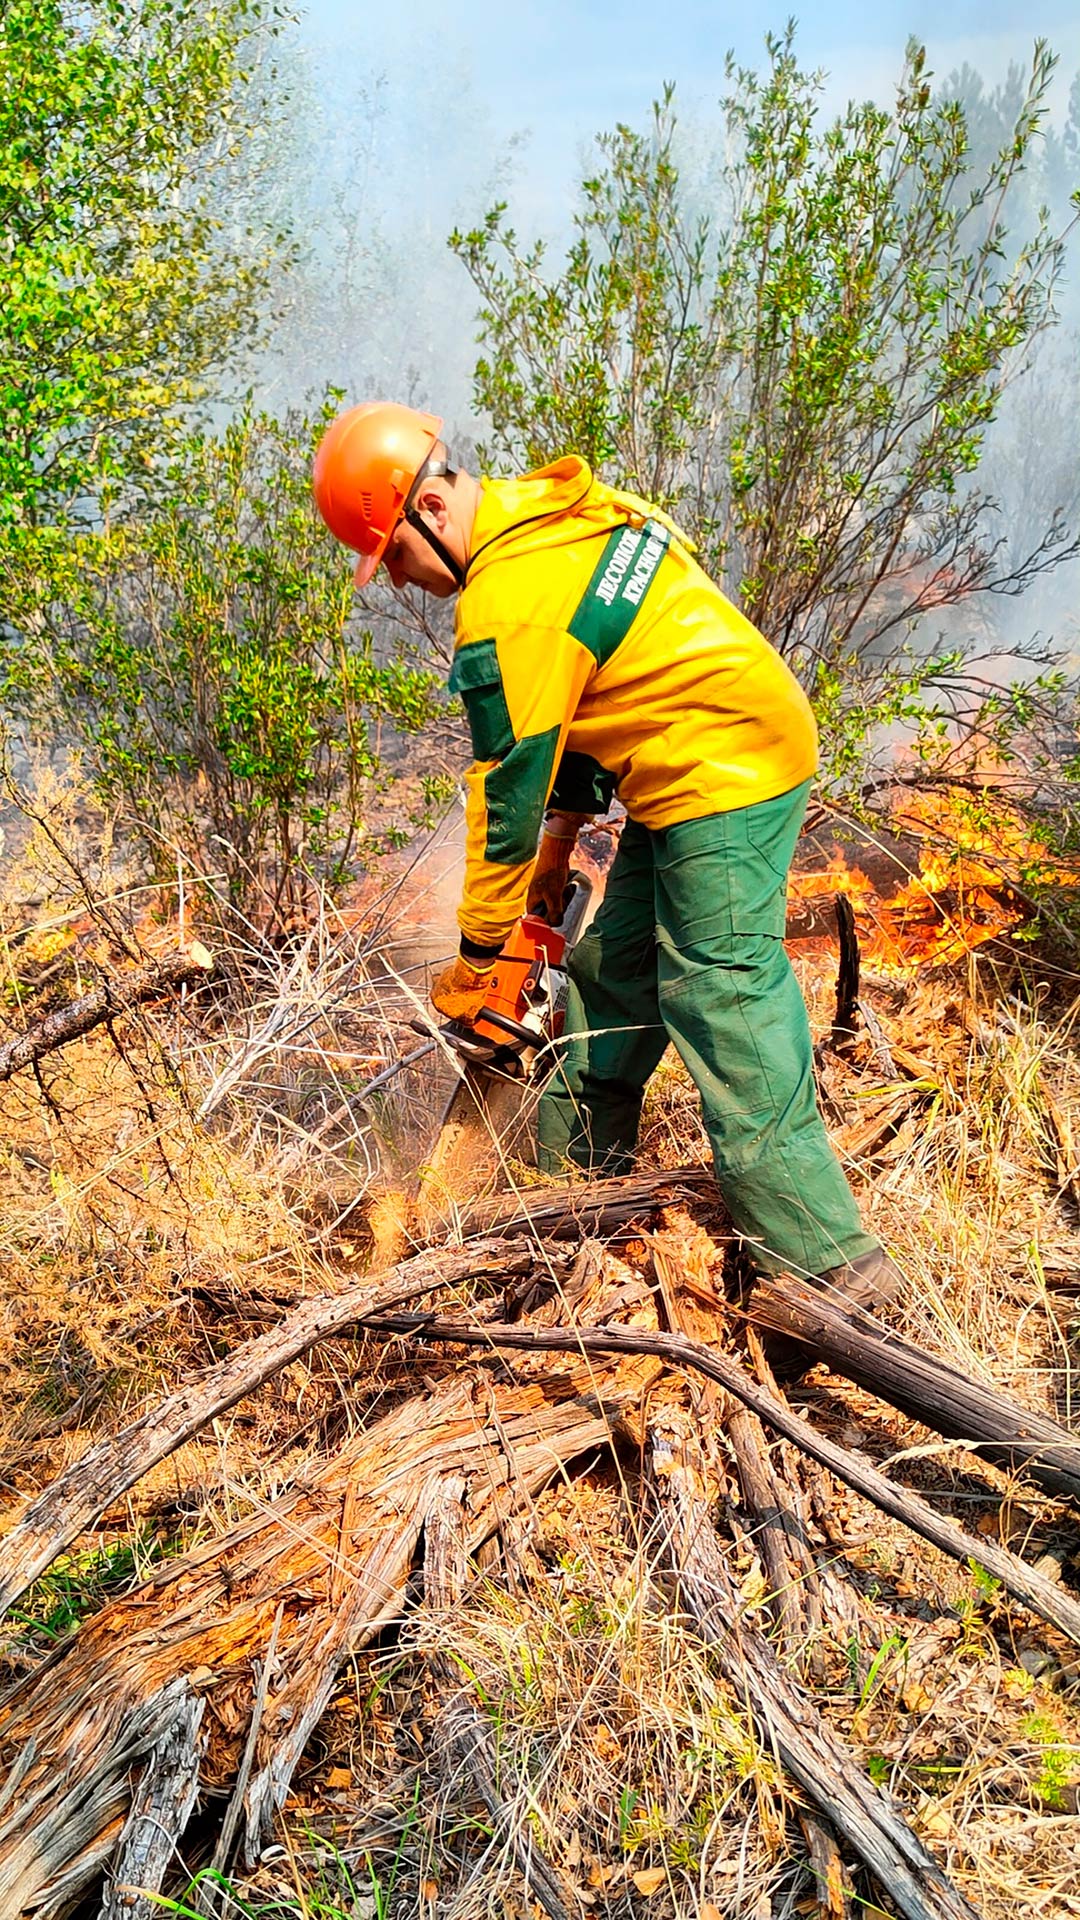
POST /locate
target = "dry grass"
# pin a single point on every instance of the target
(164, 1188)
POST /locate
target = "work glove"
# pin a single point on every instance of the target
(462, 988)
(551, 874)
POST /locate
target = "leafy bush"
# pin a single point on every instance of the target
(121, 290)
(804, 373)
(201, 659)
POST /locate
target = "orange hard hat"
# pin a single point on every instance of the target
(366, 465)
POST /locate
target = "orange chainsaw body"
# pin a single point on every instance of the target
(518, 976)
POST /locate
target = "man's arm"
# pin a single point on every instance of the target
(521, 688)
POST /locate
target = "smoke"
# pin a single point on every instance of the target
(400, 130)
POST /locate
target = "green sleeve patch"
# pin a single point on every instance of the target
(516, 793)
(582, 785)
(621, 579)
(476, 675)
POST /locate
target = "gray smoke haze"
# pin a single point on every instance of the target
(400, 130)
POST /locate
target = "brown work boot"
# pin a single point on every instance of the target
(873, 1281)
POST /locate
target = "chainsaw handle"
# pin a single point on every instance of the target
(578, 897)
(525, 1036)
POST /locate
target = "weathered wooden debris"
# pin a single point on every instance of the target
(294, 1590)
(954, 1404)
(562, 1211)
(1030, 1587)
(114, 997)
(684, 1258)
(211, 1677)
(465, 1730)
(828, 1775)
(161, 1807)
(49, 1524)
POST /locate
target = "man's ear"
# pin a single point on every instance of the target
(432, 500)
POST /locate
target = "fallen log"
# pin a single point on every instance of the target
(1031, 1588)
(49, 1523)
(953, 1403)
(316, 1574)
(55, 1029)
(828, 1774)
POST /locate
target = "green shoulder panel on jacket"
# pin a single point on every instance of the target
(476, 675)
(516, 793)
(621, 579)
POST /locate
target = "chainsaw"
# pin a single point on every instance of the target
(525, 1009)
(508, 1046)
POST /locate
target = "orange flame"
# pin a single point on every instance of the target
(955, 894)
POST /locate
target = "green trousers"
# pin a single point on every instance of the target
(688, 946)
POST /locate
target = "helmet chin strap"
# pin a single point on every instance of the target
(434, 468)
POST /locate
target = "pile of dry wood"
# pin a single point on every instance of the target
(600, 1317)
(211, 1677)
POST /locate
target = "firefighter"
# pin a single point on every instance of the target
(594, 659)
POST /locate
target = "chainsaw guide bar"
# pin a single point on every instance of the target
(505, 1056)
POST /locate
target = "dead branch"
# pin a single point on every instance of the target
(234, 1811)
(930, 1390)
(49, 1523)
(684, 1257)
(1032, 1589)
(828, 1774)
(53, 1030)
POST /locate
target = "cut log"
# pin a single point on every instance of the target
(930, 1390)
(828, 1774)
(473, 1149)
(465, 1732)
(51, 1521)
(55, 1029)
(1031, 1588)
(570, 1210)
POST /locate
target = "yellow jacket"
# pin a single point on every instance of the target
(595, 657)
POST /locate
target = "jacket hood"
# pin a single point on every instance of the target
(562, 502)
(517, 515)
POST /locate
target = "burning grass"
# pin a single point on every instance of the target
(168, 1186)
